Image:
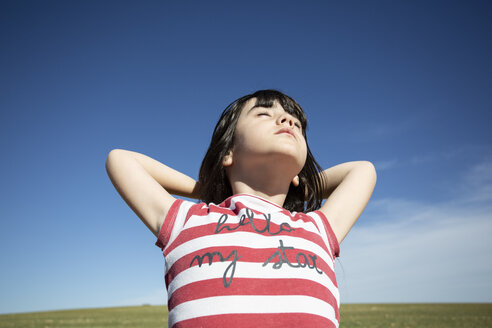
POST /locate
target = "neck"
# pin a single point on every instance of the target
(272, 184)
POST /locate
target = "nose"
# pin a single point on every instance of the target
(286, 119)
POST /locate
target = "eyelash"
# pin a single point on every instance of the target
(267, 114)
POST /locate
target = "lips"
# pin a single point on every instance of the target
(285, 130)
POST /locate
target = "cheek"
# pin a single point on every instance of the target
(246, 139)
(240, 141)
(304, 153)
(305, 156)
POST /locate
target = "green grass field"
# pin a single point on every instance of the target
(352, 315)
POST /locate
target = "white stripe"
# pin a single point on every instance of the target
(251, 304)
(179, 221)
(255, 202)
(248, 270)
(275, 218)
(246, 239)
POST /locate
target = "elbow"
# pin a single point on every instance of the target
(110, 159)
(370, 169)
(111, 155)
(114, 153)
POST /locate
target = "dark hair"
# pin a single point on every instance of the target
(213, 184)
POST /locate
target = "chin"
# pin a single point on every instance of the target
(293, 154)
(290, 159)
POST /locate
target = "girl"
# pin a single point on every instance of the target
(259, 250)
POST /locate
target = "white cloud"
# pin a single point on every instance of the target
(449, 153)
(419, 252)
(477, 183)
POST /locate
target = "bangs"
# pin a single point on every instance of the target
(266, 98)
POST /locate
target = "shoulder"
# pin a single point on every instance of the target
(178, 214)
(325, 230)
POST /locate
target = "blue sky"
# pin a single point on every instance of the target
(405, 85)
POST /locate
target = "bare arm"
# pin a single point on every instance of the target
(347, 189)
(146, 185)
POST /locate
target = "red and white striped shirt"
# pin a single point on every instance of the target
(248, 262)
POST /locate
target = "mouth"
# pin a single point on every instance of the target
(287, 131)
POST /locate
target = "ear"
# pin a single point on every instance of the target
(227, 160)
(295, 181)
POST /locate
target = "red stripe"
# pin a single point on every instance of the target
(168, 224)
(251, 255)
(190, 234)
(260, 224)
(200, 209)
(226, 210)
(251, 286)
(226, 203)
(254, 320)
(334, 245)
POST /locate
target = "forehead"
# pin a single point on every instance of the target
(251, 104)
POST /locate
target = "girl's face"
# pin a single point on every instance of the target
(269, 134)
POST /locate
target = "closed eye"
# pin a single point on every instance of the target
(263, 113)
